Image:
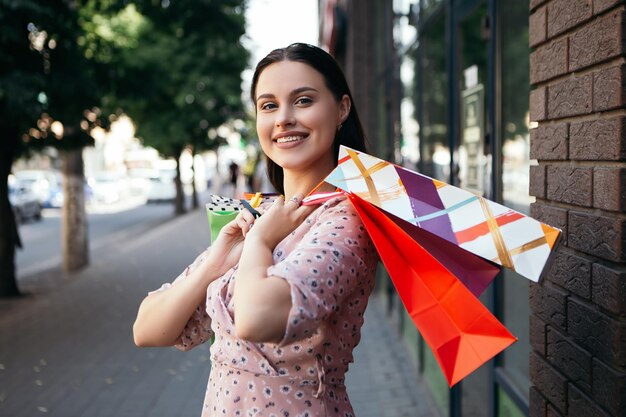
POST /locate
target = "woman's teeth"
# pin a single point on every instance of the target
(289, 139)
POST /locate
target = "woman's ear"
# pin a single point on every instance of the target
(344, 108)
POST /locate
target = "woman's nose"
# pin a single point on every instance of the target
(285, 117)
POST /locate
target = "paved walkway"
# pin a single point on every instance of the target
(67, 350)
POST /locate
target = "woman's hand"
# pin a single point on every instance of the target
(279, 220)
(226, 250)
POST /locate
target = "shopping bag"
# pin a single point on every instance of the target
(219, 219)
(222, 210)
(460, 331)
(492, 231)
(442, 246)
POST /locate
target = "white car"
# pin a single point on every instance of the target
(24, 202)
(107, 188)
(161, 188)
(45, 184)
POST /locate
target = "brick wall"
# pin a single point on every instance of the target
(578, 318)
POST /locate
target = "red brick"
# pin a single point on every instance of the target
(572, 273)
(609, 387)
(537, 181)
(570, 185)
(565, 14)
(554, 216)
(548, 61)
(608, 285)
(602, 139)
(569, 359)
(579, 404)
(536, 3)
(536, 404)
(549, 382)
(549, 303)
(537, 102)
(537, 27)
(549, 141)
(596, 332)
(553, 412)
(602, 5)
(608, 88)
(609, 188)
(570, 97)
(597, 41)
(537, 332)
(602, 236)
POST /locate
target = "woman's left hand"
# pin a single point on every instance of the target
(226, 250)
(279, 220)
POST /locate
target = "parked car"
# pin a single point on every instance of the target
(24, 202)
(44, 184)
(108, 188)
(161, 187)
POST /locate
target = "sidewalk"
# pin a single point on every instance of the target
(68, 351)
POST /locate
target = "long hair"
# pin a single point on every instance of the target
(351, 133)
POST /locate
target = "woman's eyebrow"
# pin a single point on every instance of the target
(302, 90)
(293, 93)
(266, 95)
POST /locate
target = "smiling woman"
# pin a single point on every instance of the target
(285, 298)
(297, 121)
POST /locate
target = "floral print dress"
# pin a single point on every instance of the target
(329, 263)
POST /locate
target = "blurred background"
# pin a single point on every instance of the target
(120, 117)
(143, 102)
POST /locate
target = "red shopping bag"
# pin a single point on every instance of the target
(460, 331)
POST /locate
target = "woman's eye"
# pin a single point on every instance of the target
(267, 106)
(304, 100)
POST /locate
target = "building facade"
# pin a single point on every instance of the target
(521, 102)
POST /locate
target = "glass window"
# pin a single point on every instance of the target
(428, 7)
(435, 152)
(432, 101)
(515, 166)
(410, 334)
(436, 382)
(506, 407)
(473, 156)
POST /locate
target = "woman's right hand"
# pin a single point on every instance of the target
(227, 248)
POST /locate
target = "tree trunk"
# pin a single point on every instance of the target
(74, 228)
(9, 235)
(179, 205)
(194, 191)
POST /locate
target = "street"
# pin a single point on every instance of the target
(42, 239)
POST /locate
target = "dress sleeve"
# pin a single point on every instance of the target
(198, 328)
(331, 260)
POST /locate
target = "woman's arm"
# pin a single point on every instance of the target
(163, 315)
(262, 303)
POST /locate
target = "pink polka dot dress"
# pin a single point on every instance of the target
(329, 263)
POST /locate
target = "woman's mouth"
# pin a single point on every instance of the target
(287, 139)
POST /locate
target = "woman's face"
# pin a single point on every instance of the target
(297, 117)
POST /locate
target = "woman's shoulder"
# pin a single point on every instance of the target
(337, 207)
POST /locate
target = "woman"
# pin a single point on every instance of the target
(285, 298)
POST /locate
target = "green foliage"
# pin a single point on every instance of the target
(21, 66)
(174, 67)
(48, 75)
(181, 73)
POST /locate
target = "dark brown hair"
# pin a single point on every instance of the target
(351, 133)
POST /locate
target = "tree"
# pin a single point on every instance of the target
(21, 82)
(183, 77)
(174, 68)
(48, 79)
